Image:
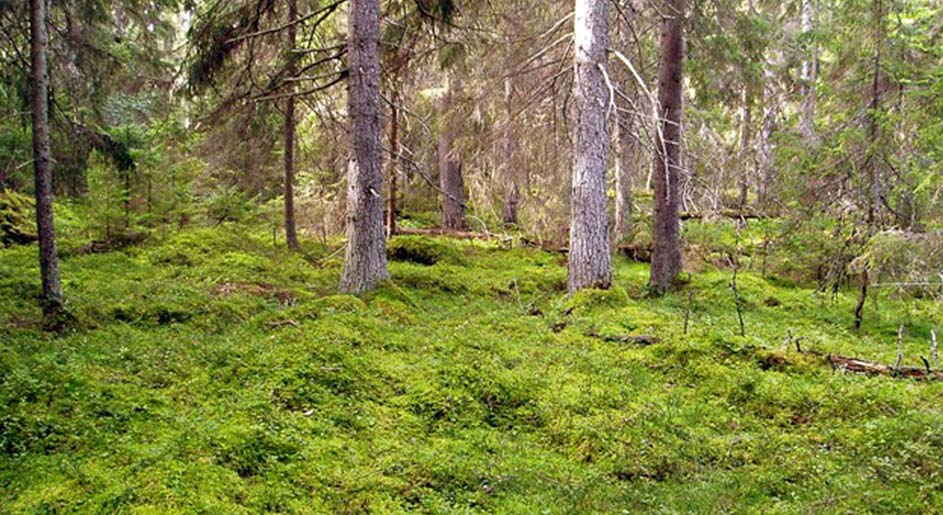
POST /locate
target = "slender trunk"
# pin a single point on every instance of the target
(48, 255)
(510, 177)
(874, 105)
(625, 162)
(365, 264)
(766, 136)
(590, 262)
(808, 78)
(666, 251)
(394, 161)
(291, 234)
(512, 192)
(746, 120)
(625, 148)
(450, 164)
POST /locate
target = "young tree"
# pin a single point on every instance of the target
(365, 263)
(450, 163)
(291, 234)
(48, 256)
(666, 252)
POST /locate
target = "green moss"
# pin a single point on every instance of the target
(424, 251)
(17, 218)
(222, 374)
(590, 299)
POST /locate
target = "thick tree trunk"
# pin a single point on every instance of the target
(48, 255)
(589, 258)
(291, 234)
(808, 78)
(365, 264)
(666, 251)
(450, 164)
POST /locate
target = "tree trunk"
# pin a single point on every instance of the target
(808, 78)
(766, 137)
(666, 250)
(48, 255)
(394, 161)
(625, 145)
(510, 177)
(365, 264)
(746, 120)
(512, 191)
(875, 177)
(291, 234)
(625, 161)
(589, 258)
(450, 164)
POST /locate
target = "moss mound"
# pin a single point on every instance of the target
(17, 219)
(424, 251)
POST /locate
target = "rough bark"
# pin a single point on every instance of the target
(291, 234)
(666, 251)
(48, 255)
(589, 257)
(450, 164)
(365, 264)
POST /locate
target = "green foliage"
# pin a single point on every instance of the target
(216, 373)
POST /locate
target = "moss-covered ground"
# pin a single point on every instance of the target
(210, 372)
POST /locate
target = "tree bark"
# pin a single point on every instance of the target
(365, 264)
(666, 251)
(48, 255)
(450, 164)
(291, 234)
(590, 262)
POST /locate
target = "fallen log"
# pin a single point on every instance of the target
(451, 233)
(734, 214)
(861, 366)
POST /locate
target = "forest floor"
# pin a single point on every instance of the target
(209, 372)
